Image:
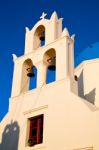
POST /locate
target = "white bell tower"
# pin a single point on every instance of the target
(41, 114)
(58, 46)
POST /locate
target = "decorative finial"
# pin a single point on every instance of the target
(27, 29)
(65, 32)
(54, 16)
(14, 57)
(73, 37)
(43, 15)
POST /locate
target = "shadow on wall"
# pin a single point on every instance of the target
(81, 85)
(90, 97)
(10, 137)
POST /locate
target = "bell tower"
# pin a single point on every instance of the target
(51, 116)
(46, 46)
(40, 113)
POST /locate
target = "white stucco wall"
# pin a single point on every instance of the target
(88, 79)
(69, 121)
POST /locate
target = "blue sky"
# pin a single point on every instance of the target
(80, 17)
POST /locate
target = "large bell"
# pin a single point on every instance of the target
(42, 37)
(52, 62)
(30, 72)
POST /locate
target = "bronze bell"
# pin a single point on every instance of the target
(42, 37)
(31, 142)
(76, 78)
(52, 67)
(52, 62)
(30, 72)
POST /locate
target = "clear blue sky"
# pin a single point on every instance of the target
(80, 17)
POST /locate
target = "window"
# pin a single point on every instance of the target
(35, 130)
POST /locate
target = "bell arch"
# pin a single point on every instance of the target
(27, 75)
(50, 59)
(39, 36)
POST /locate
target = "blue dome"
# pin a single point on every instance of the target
(91, 52)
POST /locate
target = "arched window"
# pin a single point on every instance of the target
(39, 37)
(28, 75)
(50, 59)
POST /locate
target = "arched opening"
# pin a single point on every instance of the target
(28, 76)
(33, 80)
(39, 37)
(50, 59)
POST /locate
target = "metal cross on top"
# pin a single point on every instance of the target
(43, 15)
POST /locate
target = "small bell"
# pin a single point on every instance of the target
(76, 78)
(52, 68)
(30, 72)
(52, 62)
(31, 142)
(42, 37)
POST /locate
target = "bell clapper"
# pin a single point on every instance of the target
(30, 72)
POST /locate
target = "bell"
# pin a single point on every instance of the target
(42, 37)
(30, 72)
(52, 62)
(76, 78)
(52, 67)
(31, 142)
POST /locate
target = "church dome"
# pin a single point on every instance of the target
(90, 52)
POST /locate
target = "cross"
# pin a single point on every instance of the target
(43, 15)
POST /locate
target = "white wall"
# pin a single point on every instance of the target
(69, 121)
